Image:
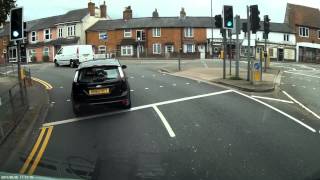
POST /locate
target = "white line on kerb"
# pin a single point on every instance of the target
(300, 104)
(164, 121)
(273, 99)
(279, 111)
(135, 108)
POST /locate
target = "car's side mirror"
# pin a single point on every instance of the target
(124, 67)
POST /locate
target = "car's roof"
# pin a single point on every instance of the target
(100, 62)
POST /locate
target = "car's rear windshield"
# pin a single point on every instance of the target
(98, 74)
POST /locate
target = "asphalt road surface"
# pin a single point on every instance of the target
(177, 129)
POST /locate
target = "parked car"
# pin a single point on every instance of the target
(74, 55)
(100, 82)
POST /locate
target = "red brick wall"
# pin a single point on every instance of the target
(313, 36)
(3, 45)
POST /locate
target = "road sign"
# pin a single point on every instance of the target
(257, 66)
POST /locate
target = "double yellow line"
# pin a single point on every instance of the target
(45, 131)
(45, 84)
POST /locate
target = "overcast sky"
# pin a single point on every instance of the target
(34, 9)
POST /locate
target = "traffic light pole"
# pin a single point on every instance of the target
(248, 47)
(224, 52)
(19, 61)
(229, 50)
(237, 46)
(265, 55)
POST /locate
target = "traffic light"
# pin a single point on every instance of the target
(25, 33)
(245, 27)
(16, 24)
(254, 18)
(266, 26)
(218, 21)
(228, 17)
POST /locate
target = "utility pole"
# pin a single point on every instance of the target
(224, 52)
(248, 47)
(237, 45)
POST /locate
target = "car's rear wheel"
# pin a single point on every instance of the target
(126, 104)
(72, 64)
(77, 109)
(56, 63)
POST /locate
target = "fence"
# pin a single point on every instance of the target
(13, 103)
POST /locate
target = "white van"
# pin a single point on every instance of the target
(74, 55)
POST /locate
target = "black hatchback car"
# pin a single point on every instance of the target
(99, 82)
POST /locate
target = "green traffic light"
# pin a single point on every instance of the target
(229, 23)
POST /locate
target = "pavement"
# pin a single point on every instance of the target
(214, 74)
(31, 120)
(178, 128)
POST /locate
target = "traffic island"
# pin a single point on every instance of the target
(214, 75)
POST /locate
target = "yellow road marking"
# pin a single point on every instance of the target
(34, 150)
(41, 151)
(44, 83)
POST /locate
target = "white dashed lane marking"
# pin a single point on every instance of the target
(293, 85)
(132, 90)
(174, 84)
(303, 87)
(161, 86)
(68, 100)
(146, 88)
(131, 77)
(187, 83)
(314, 88)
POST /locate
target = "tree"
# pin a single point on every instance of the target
(5, 6)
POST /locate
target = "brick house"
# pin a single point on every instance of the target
(150, 36)
(46, 36)
(4, 41)
(305, 22)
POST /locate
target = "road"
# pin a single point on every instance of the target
(177, 129)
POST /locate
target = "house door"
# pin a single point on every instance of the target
(202, 50)
(280, 54)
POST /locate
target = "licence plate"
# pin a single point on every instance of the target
(99, 91)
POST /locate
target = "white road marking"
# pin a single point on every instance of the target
(131, 77)
(61, 87)
(279, 111)
(131, 90)
(273, 99)
(161, 86)
(146, 88)
(142, 76)
(53, 102)
(164, 121)
(174, 84)
(136, 108)
(293, 85)
(68, 100)
(314, 88)
(300, 104)
(187, 83)
(303, 86)
(153, 75)
(302, 74)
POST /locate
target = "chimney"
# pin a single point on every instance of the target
(91, 8)
(103, 10)
(155, 14)
(127, 13)
(182, 14)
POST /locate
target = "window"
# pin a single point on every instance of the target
(156, 32)
(258, 50)
(60, 32)
(98, 74)
(140, 35)
(32, 52)
(156, 48)
(47, 35)
(45, 51)
(303, 31)
(188, 32)
(286, 37)
(127, 33)
(12, 54)
(33, 36)
(188, 48)
(103, 36)
(126, 50)
(102, 50)
(71, 30)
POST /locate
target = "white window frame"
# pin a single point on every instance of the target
(188, 32)
(13, 54)
(156, 48)
(286, 37)
(60, 32)
(102, 34)
(34, 35)
(156, 32)
(187, 46)
(304, 32)
(141, 32)
(71, 30)
(102, 48)
(46, 50)
(32, 52)
(45, 34)
(126, 50)
(167, 48)
(127, 33)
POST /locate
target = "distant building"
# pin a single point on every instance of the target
(305, 22)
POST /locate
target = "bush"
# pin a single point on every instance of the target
(45, 58)
(33, 59)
